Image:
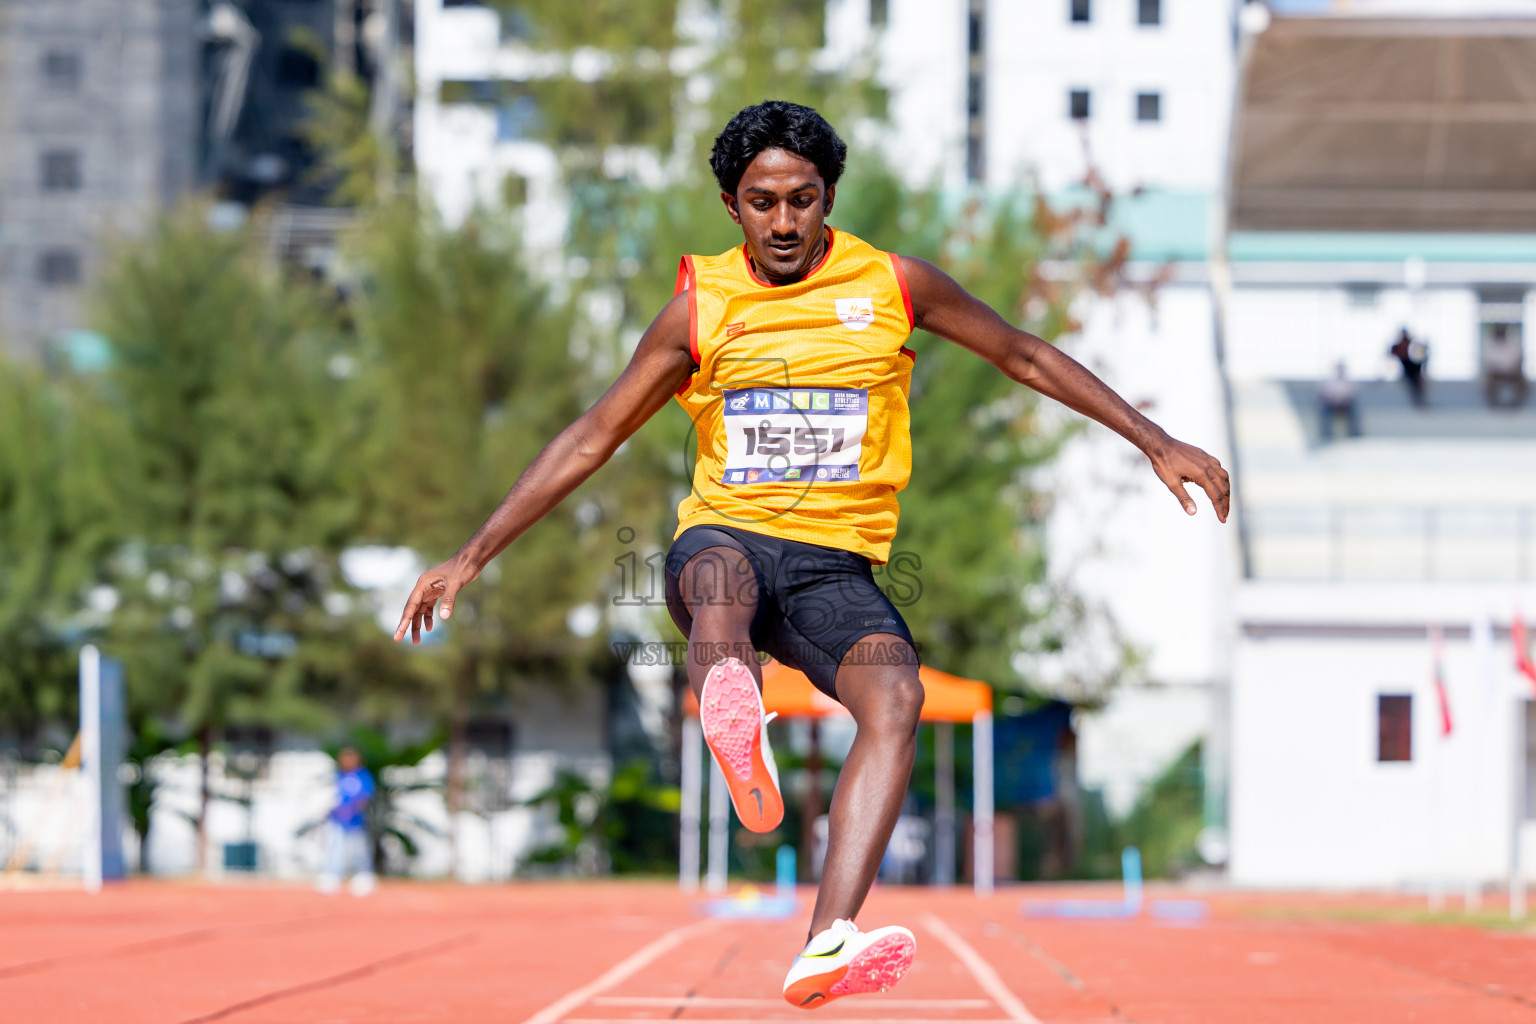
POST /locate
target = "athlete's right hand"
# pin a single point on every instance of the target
(443, 582)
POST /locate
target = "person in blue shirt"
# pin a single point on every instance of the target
(348, 848)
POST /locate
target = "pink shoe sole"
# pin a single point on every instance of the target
(731, 713)
(878, 968)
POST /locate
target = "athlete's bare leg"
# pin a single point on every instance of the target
(886, 702)
(720, 591)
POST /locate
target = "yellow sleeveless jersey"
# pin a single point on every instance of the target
(799, 403)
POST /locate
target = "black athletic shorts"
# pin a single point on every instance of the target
(813, 603)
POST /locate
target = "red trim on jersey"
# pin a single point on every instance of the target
(906, 295)
(819, 264)
(688, 280)
(909, 353)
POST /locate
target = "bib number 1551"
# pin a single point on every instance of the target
(771, 440)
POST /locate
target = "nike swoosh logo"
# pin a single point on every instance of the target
(831, 952)
(813, 995)
(757, 795)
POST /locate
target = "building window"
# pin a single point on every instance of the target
(61, 70)
(1077, 104)
(1362, 295)
(1082, 12)
(1149, 106)
(59, 267)
(1149, 12)
(879, 13)
(297, 69)
(1394, 727)
(61, 170)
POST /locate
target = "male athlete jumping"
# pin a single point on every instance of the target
(788, 353)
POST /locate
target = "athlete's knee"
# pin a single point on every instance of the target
(906, 702)
(890, 702)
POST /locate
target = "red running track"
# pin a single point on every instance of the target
(612, 952)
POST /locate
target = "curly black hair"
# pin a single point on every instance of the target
(776, 124)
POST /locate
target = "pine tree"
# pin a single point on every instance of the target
(53, 523)
(227, 445)
(471, 360)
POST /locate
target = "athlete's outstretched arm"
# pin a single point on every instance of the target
(943, 307)
(660, 365)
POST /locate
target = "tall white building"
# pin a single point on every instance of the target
(1380, 180)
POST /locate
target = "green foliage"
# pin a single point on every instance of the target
(52, 502)
(469, 359)
(1166, 822)
(625, 826)
(147, 743)
(350, 158)
(226, 450)
(1164, 825)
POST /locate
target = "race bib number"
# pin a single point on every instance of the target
(794, 435)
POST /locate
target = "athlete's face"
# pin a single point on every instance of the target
(782, 204)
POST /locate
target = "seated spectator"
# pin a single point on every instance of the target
(1504, 369)
(1336, 397)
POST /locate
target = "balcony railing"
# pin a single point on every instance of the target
(1393, 542)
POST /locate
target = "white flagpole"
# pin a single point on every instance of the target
(90, 766)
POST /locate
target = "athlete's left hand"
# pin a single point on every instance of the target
(1177, 463)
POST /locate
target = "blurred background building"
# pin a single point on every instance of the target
(98, 130)
(114, 109)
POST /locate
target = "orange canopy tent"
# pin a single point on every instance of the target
(947, 699)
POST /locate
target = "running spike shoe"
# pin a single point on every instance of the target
(843, 961)
(731, 712)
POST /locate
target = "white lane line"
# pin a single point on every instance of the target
(982, 971)
(903, 1004)
(624, 969)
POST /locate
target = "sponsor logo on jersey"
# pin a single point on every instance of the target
(820, 400)
(780, 400)
(739, 402)
(802, 399)
(761, 400)
(731, 330)
(751, 476)
(821, 474)
(792, 473)
(856, 314)
(737, 477)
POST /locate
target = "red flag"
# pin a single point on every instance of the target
(1522, 649)
(1437, 647)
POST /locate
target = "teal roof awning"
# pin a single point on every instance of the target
(1379, 247)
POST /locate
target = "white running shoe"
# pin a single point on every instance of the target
(843, 961)
(731, 713)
